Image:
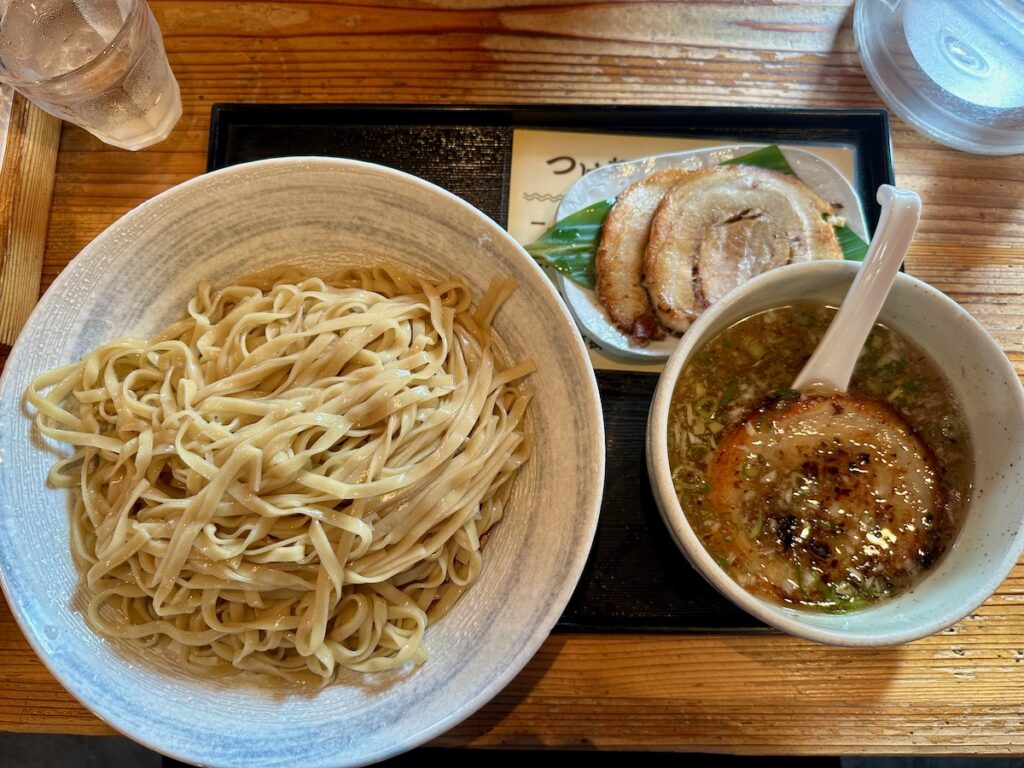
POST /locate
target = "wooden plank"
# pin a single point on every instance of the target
(959, 692)
(26, 186)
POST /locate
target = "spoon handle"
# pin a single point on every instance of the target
(831, 365)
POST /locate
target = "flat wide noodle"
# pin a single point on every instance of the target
(296, 478)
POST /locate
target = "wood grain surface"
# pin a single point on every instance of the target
(26, 186)
(959, 692)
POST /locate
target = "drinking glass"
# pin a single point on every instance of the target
(99, 64)
(953, 69)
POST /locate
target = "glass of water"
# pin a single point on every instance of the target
(953, 69)
(99, 64)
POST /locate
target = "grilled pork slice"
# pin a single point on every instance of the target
(620, 255)
(713, 231)
(830, 495)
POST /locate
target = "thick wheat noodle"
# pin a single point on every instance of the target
(296, 478)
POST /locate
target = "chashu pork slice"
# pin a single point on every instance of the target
(715, 230)
(620, 255)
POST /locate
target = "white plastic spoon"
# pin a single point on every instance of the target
(831, 365)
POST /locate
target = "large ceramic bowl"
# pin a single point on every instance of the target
(317, 213)
(984, 382)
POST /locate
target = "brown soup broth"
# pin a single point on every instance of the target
(829, 527)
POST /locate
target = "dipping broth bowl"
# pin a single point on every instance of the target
(992, 399)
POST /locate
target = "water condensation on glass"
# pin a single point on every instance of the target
(48, 38)
(97, 63)
(952, 68)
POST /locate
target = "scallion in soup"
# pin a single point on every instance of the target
(826, 502)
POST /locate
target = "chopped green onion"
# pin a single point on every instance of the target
(731, 390)
(688, 477)
(786, 393)
(706, 406)
(755, 348)
(697, 450)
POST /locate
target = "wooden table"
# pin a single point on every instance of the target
(959, 692)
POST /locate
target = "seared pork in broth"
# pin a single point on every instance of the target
(816, 501)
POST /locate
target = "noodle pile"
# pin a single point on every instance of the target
(296, 478)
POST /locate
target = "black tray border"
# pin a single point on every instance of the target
(866, 129)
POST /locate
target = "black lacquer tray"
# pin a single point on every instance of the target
(636, 580)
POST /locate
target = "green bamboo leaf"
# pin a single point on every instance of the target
(770, 158)
(854, 249)
(570, 245)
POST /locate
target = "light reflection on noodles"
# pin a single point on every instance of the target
(294, 479)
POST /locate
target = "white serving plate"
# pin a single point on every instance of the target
(609, 180)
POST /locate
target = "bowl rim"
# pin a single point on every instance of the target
(587, 393)
(788, 619)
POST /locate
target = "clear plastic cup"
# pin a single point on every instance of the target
(953, 69)
(99, 64)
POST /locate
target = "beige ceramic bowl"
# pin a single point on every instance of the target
(986, 385)
(318, 213)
